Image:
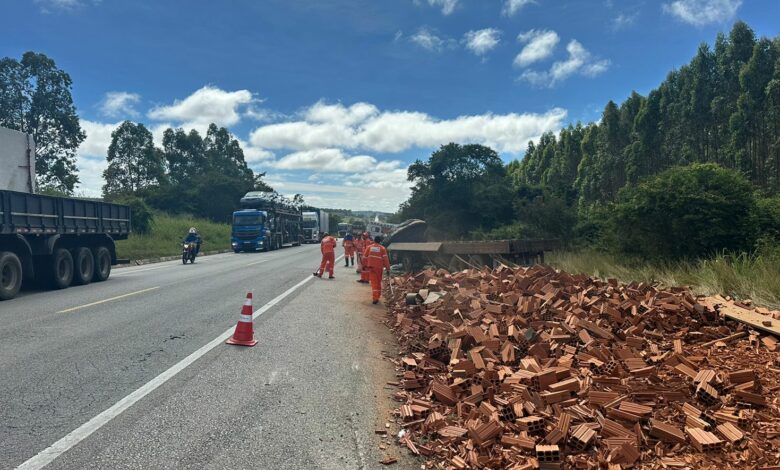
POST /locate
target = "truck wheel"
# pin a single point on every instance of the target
(10, 275)
(60, 269)
(83, 266)
(102, 258)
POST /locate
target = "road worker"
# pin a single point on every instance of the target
(360, 245)
(328, 249)
(376, 260)
(349, 249)
(363, 268)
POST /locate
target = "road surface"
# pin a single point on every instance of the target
(133, 372)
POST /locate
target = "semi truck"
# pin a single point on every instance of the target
(54, 241)
(266, 222)
(344, 229)
(315, 223)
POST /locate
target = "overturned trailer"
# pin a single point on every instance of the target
(409, 246)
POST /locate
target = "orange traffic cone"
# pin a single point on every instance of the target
(244, 335)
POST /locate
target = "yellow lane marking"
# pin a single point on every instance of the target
(108, 300)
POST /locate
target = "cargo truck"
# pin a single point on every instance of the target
(315, 223)
(267, 222)
(55, 241)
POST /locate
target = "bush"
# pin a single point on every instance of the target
(692, 211)
(766, 219)
(140, 213)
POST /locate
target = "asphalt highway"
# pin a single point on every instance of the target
(134, 372)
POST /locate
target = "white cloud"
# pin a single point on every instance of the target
(321, 112)
(98, 138)
(579, 61)
(261, 114)
(447, 6)
(430, 40)
(624, 21)
(364, 127)
(254, 155)
(119, 104)
(539, 45)
(351, 195)
(513, 6)
(206, 105)
(51, 6)
(91, 156)
(702, 12)
(482, 41)
(327, 160)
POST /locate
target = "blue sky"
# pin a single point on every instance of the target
(334, 98)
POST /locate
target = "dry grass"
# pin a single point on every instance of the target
(743, 276)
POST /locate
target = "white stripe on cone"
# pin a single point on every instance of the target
(245, 318)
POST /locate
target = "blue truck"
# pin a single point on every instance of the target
(267, 221)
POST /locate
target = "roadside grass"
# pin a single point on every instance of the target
(742, 276)
(167, 233)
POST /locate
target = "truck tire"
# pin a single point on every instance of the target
(102, 258)
(10, 275)
(83, 266)
(60, 269)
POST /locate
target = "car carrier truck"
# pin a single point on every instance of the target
(55, 241)
(268, 221)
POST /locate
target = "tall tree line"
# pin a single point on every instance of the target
(201, 175)
(723, 107)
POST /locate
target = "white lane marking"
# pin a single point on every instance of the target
(257, 262)
(48, 455)
(123, 272)
(165, 264)
(108, 300)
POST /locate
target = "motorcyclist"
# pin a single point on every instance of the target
(194, 236)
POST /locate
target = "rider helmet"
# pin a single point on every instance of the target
(192, 230)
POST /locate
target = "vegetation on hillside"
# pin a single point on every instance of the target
(723, 108)
(165, 236)
(687, 172)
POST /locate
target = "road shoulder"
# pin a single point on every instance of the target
(311, 394)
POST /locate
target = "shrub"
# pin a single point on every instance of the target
(141, 214)
(689, 211)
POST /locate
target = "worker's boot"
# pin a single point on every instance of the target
(346, 262)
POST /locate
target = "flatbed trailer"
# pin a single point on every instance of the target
(57, 241)
(455, 255)
(409, 245)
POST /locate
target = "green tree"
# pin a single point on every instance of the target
(35, 98)
(459, 189)
(688, 211)
(185, 155)
(134, 163)
(224, 155)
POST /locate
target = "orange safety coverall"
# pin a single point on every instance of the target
(376, 259)
(328, 248)
(349, 248)
(360, 245)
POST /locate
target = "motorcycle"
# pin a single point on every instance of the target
(188, 252)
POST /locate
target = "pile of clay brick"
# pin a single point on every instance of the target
(534, 368)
